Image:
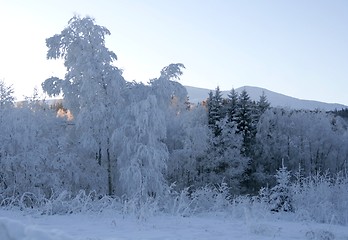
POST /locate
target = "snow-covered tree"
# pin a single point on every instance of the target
(171, 95)
(232, 105)
(172, 72)
(280, 194)
(215, 110)
(88, 62)
(189, 149)
(6, 95)
(210, 102)
(172, 102)
(224, 161)
(91, 87)
(263, 104)
(31, 146)
(245, 121)
(141, 154)
(301, 138)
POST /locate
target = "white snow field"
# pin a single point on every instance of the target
(17, 225)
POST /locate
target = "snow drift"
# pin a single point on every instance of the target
(13, 230)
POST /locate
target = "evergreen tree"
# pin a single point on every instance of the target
(262, 105)
(210, 108)
(225, 160)
(6, 95)
(232, 106)
(215, 110)
(245, 123)
(280, 196)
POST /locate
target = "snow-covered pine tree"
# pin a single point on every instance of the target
(232, 105)
(210, 108)
(245, 122)
(280, 195)
(215, 110)
(225, 161)
(6, 95)
(263, 104)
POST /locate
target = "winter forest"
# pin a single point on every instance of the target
(146, 146)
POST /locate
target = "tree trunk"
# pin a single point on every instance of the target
(109, 172)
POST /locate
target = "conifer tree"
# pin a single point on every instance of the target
(245, 124)
(6, 95)
(280, 197)
(215, 113)
(262, 104)
(210, 108)
(232, 105)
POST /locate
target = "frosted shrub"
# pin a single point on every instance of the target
(241, 206)
(222, 199)
(62, 203)
(203, 199)
(140, 207)
(26, 201)
(211, 198)
(8, 201)
(57, 204)
(29, 200)
(322, 199)
(178, 203)
(251, 208)
(83, 202)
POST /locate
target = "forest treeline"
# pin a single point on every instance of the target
(141, 140)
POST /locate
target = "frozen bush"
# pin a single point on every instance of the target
(322, 198)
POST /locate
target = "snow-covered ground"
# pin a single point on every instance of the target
(15, 225)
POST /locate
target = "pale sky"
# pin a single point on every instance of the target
(298, 48)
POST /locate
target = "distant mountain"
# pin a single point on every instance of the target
(276, 99)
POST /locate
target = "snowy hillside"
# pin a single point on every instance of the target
(276, 99)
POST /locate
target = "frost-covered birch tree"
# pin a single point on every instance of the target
(170, 93)
(91, 87)
(142, 155)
